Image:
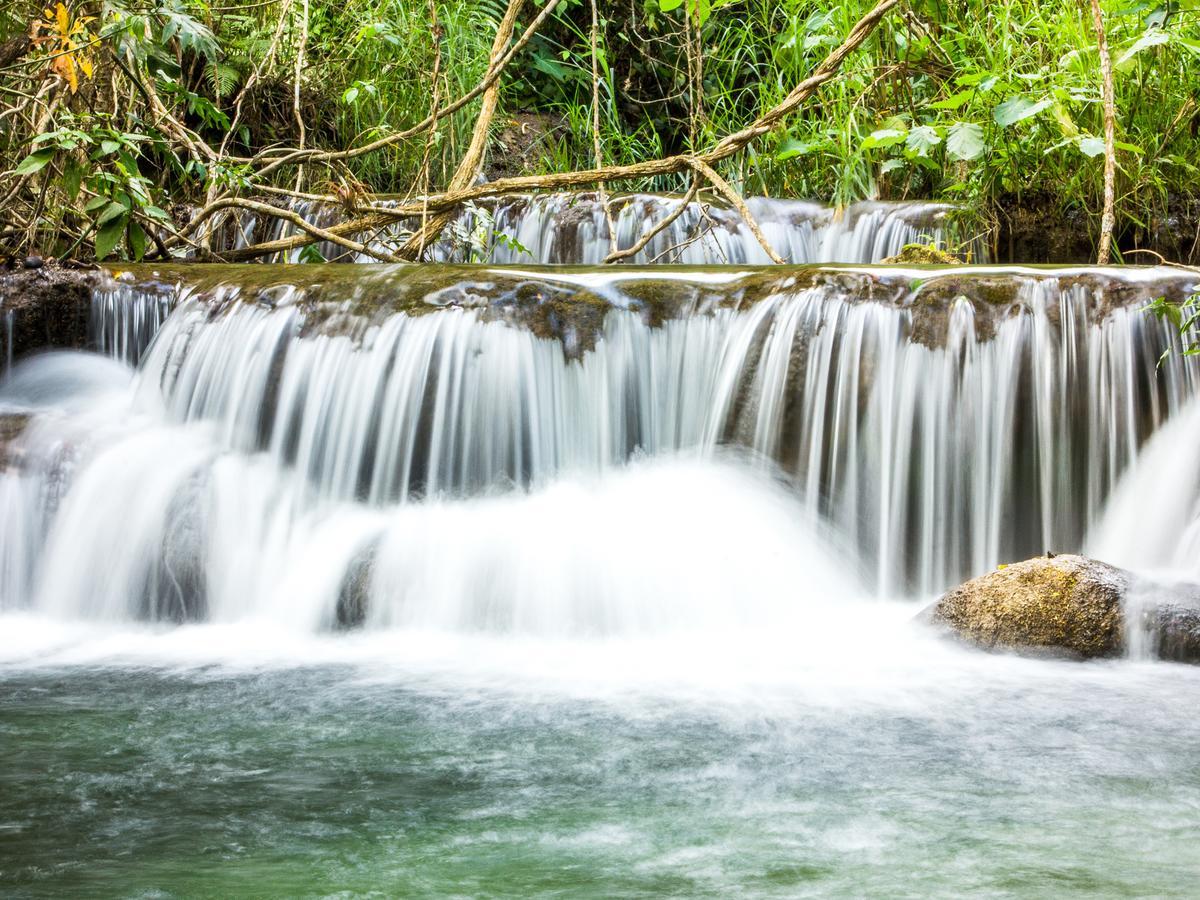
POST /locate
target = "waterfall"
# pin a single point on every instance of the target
(315, 448)
(572, 229)
(125, 317)
(1152, 520)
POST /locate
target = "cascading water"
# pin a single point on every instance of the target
(265, 459)
(572, 229)
(518, 581)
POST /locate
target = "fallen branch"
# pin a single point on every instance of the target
(659, 227)
(312, 233)
(735, 200)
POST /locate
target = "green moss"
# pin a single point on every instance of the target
(922, 255)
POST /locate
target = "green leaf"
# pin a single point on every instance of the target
(109, 236)
(137, 240)
(891, 166)
(922, 139)
(72, 179)
(965, 141)
(112, 211)
(668, 5)
(953, 102)
(792, 148)
(157, 213)
(1151, 37)
(1017, 109)
(35, 161)
(1091, 146)
(884, 137)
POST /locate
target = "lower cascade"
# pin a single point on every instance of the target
(524, 451)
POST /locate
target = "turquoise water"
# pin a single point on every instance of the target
(476, 770)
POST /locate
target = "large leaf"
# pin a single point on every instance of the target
(884, 137)
(922, 139)
(1151, 37)
(137, 240)
(1017, 109)
(1091, 146)
(109, 236)
(965, 141)
(111, 211)
(35, 162)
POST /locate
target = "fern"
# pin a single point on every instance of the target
(222, 78)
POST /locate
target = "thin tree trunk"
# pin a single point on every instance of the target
(1108, 218)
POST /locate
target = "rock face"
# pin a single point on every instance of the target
(44, 307)
(1058, 605)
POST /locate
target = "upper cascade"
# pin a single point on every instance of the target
(572, 229)
(938, 421)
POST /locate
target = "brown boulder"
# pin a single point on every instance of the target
(1059, 605)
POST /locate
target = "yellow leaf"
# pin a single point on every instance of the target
(64, 19)
(85, 66)
(64, 66)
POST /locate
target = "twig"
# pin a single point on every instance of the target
(735, 200)
(601, 187)
(659, 227)
(301, 47)
(489, 79)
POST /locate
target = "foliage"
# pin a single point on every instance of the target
(1183, 319)
(972, 101)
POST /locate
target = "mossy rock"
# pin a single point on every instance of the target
(922, 255)
(1066, 605)
(12, 426)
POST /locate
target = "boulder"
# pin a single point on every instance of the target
(1074, 606)
(1061, 605)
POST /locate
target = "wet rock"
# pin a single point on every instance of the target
(1164, 619)
(45, 306)
(12, 426)
(1178, 633)
(1073, 606)
(1066, 605)
(355, 593)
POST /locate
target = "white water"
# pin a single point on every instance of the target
(1153, 518)
(496, 485)
(571, 228)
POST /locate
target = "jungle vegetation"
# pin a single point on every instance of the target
(118, 115)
